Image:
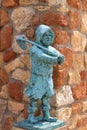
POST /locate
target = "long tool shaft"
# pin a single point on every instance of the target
(22, 40)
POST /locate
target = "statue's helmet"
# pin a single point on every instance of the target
(41, 30)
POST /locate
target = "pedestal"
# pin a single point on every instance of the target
(59, 125)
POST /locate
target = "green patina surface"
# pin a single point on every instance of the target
(40, 125)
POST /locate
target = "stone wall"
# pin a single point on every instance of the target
(68, 19)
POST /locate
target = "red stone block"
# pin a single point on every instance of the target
(5, 38)
(30, 32)
(82, 121)
(8, 124)
(51, 18)
(9, 3)
(83, 75)
(68, 53)
(59, 77)
(4, 18)
(79, 91)
(36, 20)
(74, 19)
(61, 37)
(44, 1)
(15, 91)
(9, 55)
(77, 107)
(75, 3)
(84, 5)
(3, 77)
(26, 112)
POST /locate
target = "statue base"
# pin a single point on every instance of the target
(42, 125)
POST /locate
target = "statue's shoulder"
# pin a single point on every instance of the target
(52, 49)
(34, 49)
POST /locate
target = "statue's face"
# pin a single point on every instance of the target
(47, 38)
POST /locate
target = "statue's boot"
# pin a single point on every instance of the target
(32, 119)
(48, 118)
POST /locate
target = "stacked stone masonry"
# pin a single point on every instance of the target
(68, 19)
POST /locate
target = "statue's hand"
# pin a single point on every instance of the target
(21, 42)
(60, 59)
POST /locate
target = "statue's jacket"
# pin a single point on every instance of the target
(41, 82)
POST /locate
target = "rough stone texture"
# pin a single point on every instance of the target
(73, 122)
(0, 126)
(54, 19)
(75, 3)
(27, 2)
(3, 77)
(4, 92)
(62, 6)
(20, 117)
(15, 107)
(86, 60)
(78, 41)
(61, 37)
(84, 106)
(68, 53)
(53, 103)
(36, 20)
(6, 37)
(64, 113)
(3, 106)
(30, 32)
(15, 128)
(43, 1)
(16, 91)
(78, 62)
(74, 77)
(1, 59)
(9, 55)
(13, 65)
(82, 121)
(84, 23)
(79, 91)
(9, 3)
(84, 5)
(77, 107)
(83, 75)
(9, 120)
(52, 2)
(25, 99)
(0, 2)
(74, 19)
(82, 128)
(25, 59)
(21, 75)
(4, 18)
(21, 18)
(16, 47)
(26, 112)
(64, 96)
(41, 8)
(59, 77)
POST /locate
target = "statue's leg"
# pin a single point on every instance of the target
(46, 109)
(32, 108)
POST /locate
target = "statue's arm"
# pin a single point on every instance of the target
(43, 56)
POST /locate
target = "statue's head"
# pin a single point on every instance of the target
(44, 35)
